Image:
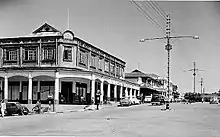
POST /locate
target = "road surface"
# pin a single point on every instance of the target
(184, 120)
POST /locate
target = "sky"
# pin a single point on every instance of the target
(116, 26)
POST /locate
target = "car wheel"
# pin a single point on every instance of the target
(6, 113)
(21, 113)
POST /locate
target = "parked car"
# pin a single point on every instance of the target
(125, 102)
(148, 99)
(135, 101)
(157, 100)
(16, 108)
(214, 100)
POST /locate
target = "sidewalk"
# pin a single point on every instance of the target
(71, 108)
(79, 108)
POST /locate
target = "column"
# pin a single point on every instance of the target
(74, 87)
(121, 92)
(135, 93)
(108, 92)
(6, 89)
(138, 92)
(102, 92)
(56, 94)
(38, 90)
(93, 91)
(29, 89)
(20, 91)
(115, 93)
(126, 92)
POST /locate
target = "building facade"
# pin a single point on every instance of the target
(51, 62)
(151, 83)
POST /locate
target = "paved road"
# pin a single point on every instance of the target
(185, 120)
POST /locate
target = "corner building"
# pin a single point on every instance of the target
(49, 61)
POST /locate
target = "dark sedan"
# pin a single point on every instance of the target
(16, 108)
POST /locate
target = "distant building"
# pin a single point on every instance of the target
(49, 61)
(151, 83)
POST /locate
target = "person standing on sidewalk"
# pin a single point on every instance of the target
(98, 93)
(3, 107)
(50, 102)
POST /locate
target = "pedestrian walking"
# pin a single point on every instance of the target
(37, 107)
(3, 107)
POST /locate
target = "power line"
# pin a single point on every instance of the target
(157, 10)
(148, 17)
(160, 9)
(163, 12)
(155, 16)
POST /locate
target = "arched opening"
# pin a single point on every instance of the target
(75, 91)
(97, 88)
(105, 92)
(18, 89)
(42, 87)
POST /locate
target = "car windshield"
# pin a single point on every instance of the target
(18, 103)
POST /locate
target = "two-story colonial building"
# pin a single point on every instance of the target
(151, 83)
(49, 61)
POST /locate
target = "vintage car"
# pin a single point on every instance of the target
(135, 101)
(125, 102)
(148, 99)
(214, 100)
(16, 108)
(157, 100)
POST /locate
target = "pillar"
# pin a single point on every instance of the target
(20, 91)
(6, 89)
(29, 89)
(38, 90)
(56, 94)
(102, 92)
(115, 93)
(108, 92)
(126, 92)
(138, 92)
(135, 93)
(121, 92)
(93, 91)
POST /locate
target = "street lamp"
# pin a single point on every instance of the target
(168, 47)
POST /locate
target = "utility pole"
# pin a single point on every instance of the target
(168, 47)
(194, 69)
(201, 82)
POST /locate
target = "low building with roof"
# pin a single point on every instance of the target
(150, 83)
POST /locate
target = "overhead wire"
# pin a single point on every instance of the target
(156, 10)
(148, 17)
(160, 9)
(158, 18)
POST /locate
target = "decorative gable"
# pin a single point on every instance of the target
(45, 28)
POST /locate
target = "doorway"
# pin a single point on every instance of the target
(66, 93)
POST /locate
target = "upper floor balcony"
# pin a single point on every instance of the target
(48, 47)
